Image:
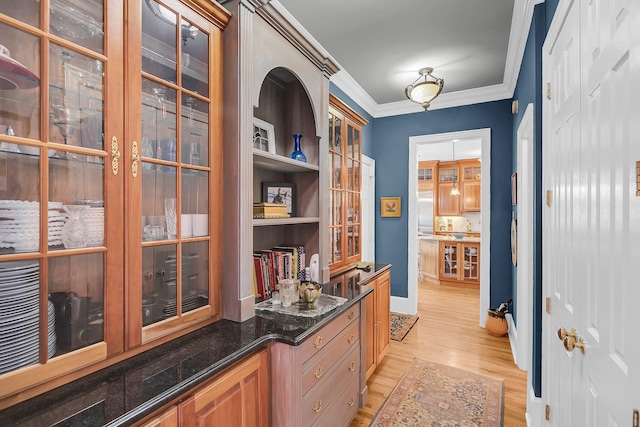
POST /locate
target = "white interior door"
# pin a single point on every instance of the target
(592, 227)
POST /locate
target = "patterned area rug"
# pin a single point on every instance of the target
(430, 394)
(401, 324)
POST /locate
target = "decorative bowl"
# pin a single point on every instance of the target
(309, 292)
(458, 235)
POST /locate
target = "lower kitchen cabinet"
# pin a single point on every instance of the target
(238, 397)
(320, 382)
(459, 262)
(429, 258)
(168, 418)
(378, 330)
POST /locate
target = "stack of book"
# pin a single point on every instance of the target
(270, 210)
(278, 263)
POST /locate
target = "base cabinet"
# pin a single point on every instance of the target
(320, 382)
(168, 418)
(460, 262)
(239, 397)
(429, 258)
(378, 324)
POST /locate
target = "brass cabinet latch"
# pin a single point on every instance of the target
(115, 155)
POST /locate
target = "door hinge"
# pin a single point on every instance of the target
(549, 196)
(636, 418)
(548, 90)
(548, 305)
(638, 179)
(547, 412)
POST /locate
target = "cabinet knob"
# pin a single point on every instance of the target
(317, 407)
(318, 342)
(352, 366)
(318, 372)
(352, 400)
(351, 315)
(351, 339)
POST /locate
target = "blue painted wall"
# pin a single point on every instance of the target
(391, 151)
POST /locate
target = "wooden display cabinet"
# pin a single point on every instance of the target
(448, 176)
(109, 126)
(427, 175)
(459, 262)
(345, 146)
(470, 171)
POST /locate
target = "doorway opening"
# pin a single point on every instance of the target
(416, 145)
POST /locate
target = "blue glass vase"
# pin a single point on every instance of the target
(297, 152)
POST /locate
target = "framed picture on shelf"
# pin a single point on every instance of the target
(280, 192)
(390, 206)
(264, 137)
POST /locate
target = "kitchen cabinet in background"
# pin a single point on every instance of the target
(470, 179)
(378, 307)
(448, 176)
(459, 262)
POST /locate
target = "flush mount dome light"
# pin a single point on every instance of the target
(425, 91)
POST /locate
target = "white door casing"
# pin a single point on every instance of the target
(591, 230)
(368, 209)
(524, 269)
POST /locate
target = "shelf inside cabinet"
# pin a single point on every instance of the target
(275, 162)
(285, 221)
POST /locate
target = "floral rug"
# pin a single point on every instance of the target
(431, 394)
(401, 324)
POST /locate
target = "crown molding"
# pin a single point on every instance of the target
(520, 25)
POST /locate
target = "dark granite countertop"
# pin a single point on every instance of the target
(130, 390)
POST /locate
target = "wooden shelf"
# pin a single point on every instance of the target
(275, 162)
(285, 221)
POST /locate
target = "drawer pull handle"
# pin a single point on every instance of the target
(135, 159)
(318, 342)
(351, 315)
(352, 400)
(115, 155)
(352, 366)
(351, 339)
(317, 407)
(318, 372)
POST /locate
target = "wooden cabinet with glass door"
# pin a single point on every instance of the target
(345, 145)
(448, 178)
(71, 255)
(427, 173)
(459, 262)
(470, 185)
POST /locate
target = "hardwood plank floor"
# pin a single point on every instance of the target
(447, 332)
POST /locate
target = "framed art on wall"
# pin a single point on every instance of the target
(390, 206)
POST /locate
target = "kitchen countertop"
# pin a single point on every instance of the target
(128, 391)
(447, 238)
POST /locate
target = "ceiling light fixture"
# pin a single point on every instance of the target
(454, 190)
(425, 91)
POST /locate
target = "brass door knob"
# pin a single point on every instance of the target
(570, 343)
(562, 334)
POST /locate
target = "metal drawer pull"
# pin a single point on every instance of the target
(351, 315)
(352, 366)
(318, 372)
(352, 400)
(351, 339)
(318, 342)
(318, 406)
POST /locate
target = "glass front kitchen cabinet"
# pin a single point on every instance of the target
(107, 193)
(345, 148)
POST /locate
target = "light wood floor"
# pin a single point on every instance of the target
(448, 333)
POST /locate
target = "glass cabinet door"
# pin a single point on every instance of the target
(173, 172)
(449, 261)
(53, 185)
(352, 192)
(335, 188)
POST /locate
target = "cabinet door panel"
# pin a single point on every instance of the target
(383, 296)
(471, 196)
(448, 205)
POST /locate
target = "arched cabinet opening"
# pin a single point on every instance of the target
(283, 111)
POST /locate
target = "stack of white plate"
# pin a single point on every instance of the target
(19, 291)
(20, 224)
(94, 217)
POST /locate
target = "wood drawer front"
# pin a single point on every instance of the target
(322, 365)
(323, 337)
(316, 404)
(343, 409)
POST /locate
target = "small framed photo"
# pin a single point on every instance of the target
(390, 206)
(264, 137)
(280, 192)
(514, 188)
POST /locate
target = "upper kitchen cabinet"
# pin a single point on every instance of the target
(276, 86)
(427, 175)
(470, 184)
(93, 125)
(345, 147)
(448, 178)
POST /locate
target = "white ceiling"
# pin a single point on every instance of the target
(381, 45)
